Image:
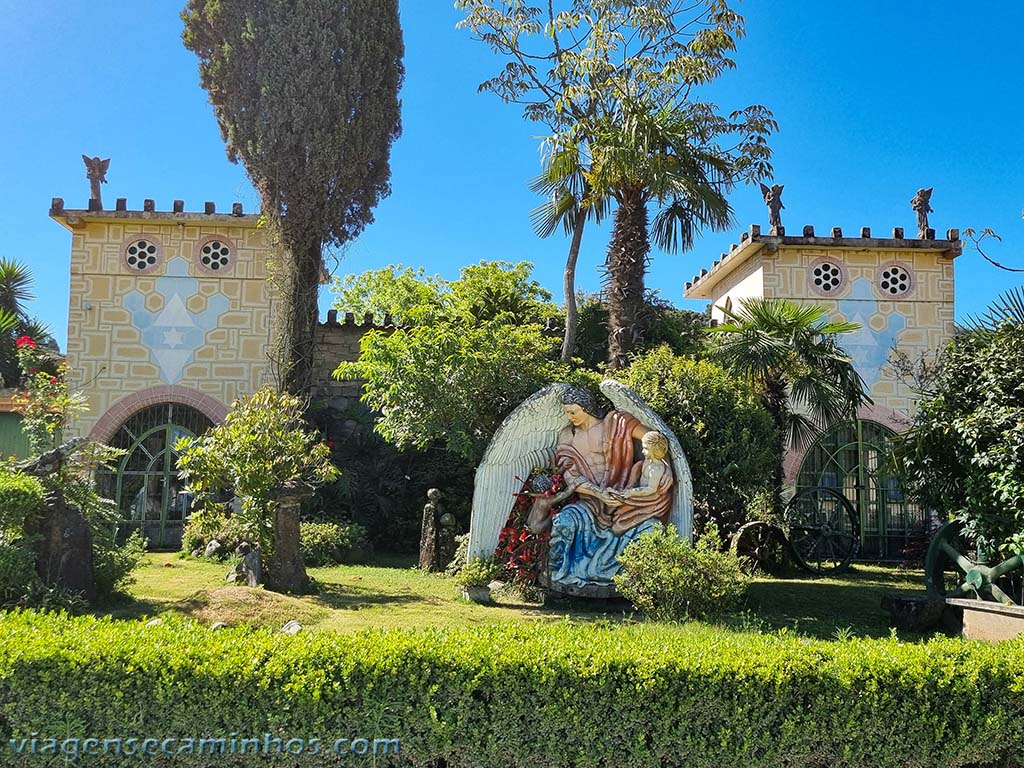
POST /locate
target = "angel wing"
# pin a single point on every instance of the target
(525, 439)
(625, 399)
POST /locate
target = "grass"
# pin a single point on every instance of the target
(393, 594)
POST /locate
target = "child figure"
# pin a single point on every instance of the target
(646, 480)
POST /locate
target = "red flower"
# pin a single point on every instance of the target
(25, 341)
(53, 379)
(330, 443)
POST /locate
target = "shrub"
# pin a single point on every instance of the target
(964, 454)
(20, 496)
(114, 565)
(17, 570)
(327, 543)
(727, 436)
(643, 696)
(668, 579)
(479, 572)
(213, 522)
(263, 444)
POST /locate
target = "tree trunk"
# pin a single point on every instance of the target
(626, 265)
(301, 308)
(286, 571)
(775, 401)
(569, 281)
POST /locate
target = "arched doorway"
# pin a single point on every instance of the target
(851, 458)
(145, 485)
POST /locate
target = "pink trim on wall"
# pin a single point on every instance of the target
(895, 420)
(127, 407)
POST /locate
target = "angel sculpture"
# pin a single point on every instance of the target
(921, 203)
(96, 172)
(773, 199)
(601, 498)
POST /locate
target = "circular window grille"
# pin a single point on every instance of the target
(215, 255)
(826, 277)
(141, 254)
(895, 280)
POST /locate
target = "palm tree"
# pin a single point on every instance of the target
(638, 155)
(570, 204)
(15, 284)
(790, 354)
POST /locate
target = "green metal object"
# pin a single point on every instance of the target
(145, 484)
(952, 570)
(823, 529)
(851, 459)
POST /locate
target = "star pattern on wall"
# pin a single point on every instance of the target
(172, 333)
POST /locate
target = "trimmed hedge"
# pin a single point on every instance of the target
(518, 695)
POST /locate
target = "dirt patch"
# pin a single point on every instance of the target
(244, 605)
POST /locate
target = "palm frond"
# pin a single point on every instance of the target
(1008, 307)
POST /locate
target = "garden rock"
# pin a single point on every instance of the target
(249, 570)
(291, 628)
(154, 622)
(218, 625)
(213, 549)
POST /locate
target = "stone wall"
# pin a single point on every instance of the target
(337, 341)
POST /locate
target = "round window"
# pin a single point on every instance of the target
(894, 280)
(215, 255)
(826, 277)
(142, 254)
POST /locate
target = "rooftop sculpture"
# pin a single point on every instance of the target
(922, 204)
(773, 199)
(96, 172)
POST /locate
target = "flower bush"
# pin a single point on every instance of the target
(45, 400)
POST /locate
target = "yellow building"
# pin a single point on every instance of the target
(169, 322)
(900, 291)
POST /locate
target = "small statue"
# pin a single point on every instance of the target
(773, 199)
(446, 544)
(96, 172)
(430, 560)
(922, 204)
(249, 569)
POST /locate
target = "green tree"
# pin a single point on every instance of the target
(682, 330)
(306, 96)
(408, 295)
(790, 353)
(263, 451)
(637, 157)
(727, 435)
(452, 383)
(489, 290)
(577, 65)
(964, 454)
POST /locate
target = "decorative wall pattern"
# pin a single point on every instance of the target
(172, 333)
(177, 325)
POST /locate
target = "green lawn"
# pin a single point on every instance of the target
(393, 594)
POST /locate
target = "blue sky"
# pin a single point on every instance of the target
(874, 100)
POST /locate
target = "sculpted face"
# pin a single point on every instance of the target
(576, 415)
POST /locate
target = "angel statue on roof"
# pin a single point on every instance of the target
(565, 486)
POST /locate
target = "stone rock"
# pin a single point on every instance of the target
(429, 549)
(64, 549)
(197, 552)
(213, 548)
(291, 628)
(218, 625)
(154, 622)
(249, 569)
